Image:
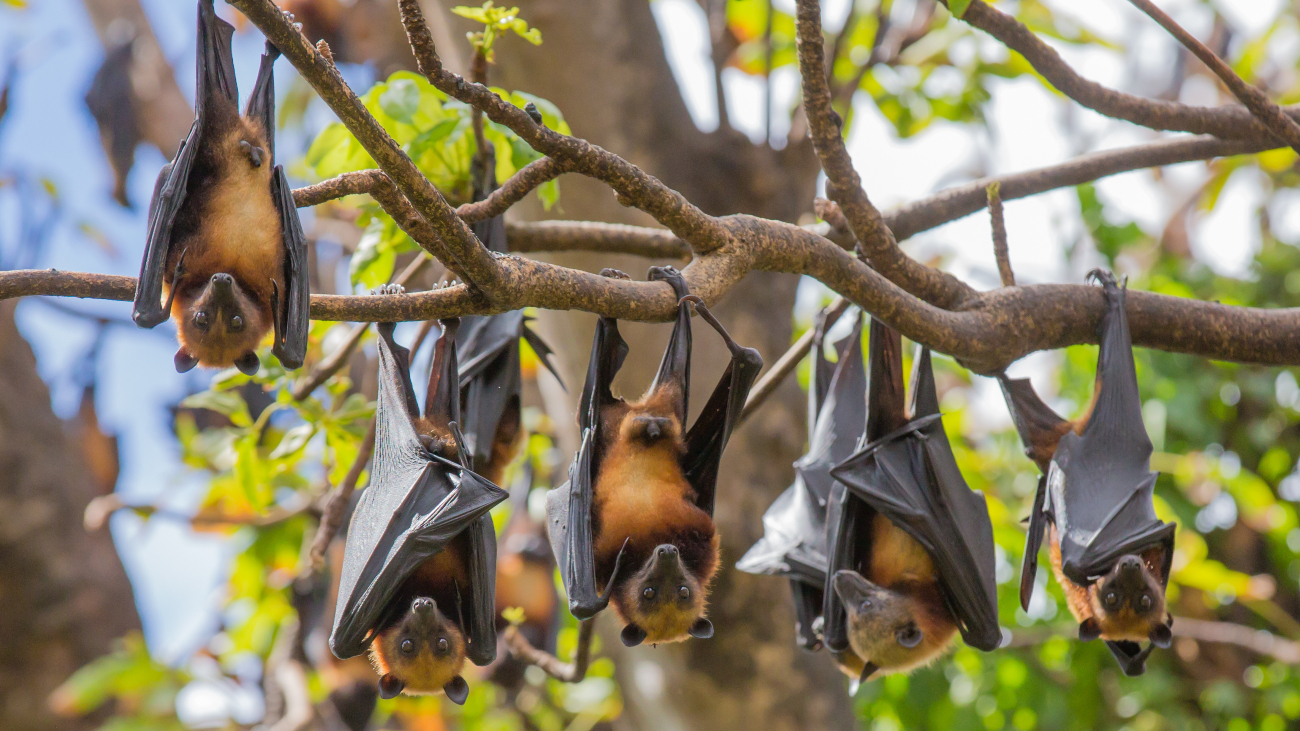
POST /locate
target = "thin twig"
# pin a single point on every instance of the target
(789, 361)
(1267, 112)
(1000, 251)
(331, 364)
(767, 79)
(101, 508)
(565, 672)
(337, 503)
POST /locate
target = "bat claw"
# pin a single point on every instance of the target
(387, 289)
(614, 273)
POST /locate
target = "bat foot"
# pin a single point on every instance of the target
(253, 153)
(388, 289)
(614, 273)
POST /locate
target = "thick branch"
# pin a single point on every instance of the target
(523, 182)
(1228, 122)
(1268, 113)
(845, 187)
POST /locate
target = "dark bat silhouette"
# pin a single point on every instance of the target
(794, 527)
(224, 240)
(418, 578)
(636, 516)
(1110, 552)
(910, 545)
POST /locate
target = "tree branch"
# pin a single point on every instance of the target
(1000, 251)
(337, 504)
(845, 187)
(524, 181)
(565, 672)
(1227, 122)
(1265, 111)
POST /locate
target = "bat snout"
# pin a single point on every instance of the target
(1130, 564)
(424, 606)
(651, 428)
(853, 590)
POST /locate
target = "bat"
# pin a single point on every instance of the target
(111, 101)
(637, 512)
(418, 579)
(909, 545)
(1109, 551)
(794, 527)
(224, 241)
(490, 377)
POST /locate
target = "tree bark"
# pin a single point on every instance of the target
(602, 63)
(64, 593)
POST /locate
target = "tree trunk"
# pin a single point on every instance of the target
(65, 596)
(602, 63)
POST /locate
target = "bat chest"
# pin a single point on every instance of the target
(242, 225)
(641, 493)
(896, 556)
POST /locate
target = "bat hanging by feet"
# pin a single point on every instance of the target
(225, 255)
(418, 581)
(794, 527)
(634, 523)
(1109, 551)
(909, 544)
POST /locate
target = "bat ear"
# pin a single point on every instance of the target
(633, 635)
(702, 629)
(1089, 629)
(1161, 636)
(248, 363)
(457, 690)
(390, 686)
(185, 361)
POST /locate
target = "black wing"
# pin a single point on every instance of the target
(911, 477)
(675, 368)
(291, 308)
(1131, 656)
(415, 504)
(215, 73)
(568, 507)
(1100, 485)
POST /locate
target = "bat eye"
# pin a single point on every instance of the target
(408, 647)
(443, 645)
(1144, 602)
(201, 320)
(649, 593)
(684, 592)
(236, 323)
(866, 604)
(1111, 599)
(909, 636)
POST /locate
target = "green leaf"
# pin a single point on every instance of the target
(229, 403)
(958, 7)
(401, 100)
(372, 263)
(293, 440)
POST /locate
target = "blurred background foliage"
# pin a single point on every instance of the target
(1225, 434)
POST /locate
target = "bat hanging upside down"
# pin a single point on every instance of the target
(225, 246)
(637, 514)
(1109, 551)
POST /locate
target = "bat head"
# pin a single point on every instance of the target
(422, 653)
(219, 325)
(1128, 604)
(663, 601)
(893, 631)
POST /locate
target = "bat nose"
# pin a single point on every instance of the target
(422, 605)
(666, 551)
(1129, 564)
(221, 278)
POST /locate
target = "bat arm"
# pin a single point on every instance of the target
(735, 348)
(585, 611)
(149, 318)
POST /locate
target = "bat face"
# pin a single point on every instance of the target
(422, 653)
(219, 324)
(1128, 603)
(891, 631)
(663, 601)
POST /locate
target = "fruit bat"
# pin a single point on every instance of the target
(794, 527)
(111, 101)
(1109, 551)
(418, 578)
(636, 516)
(909, 544)
(490, 376)
(224, 241)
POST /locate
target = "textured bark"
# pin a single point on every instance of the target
(602, 62)
(65, 596)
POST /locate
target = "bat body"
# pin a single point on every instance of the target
(910, 545)
(1109, 551)
(225, 246)
(636, 516)
(418, 581)
(794, 527)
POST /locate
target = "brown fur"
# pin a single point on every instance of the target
(1086, 602)
(228, 224)
(642, 496)
(427, 671)
(506, 442)
(909, 594)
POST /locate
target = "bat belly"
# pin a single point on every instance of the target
(641, 496)
(896, 556)
(242, 228)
